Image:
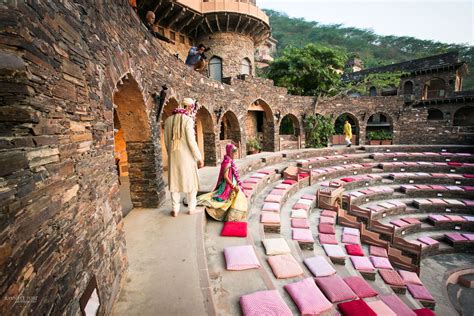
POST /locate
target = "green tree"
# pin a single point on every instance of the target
(318, 130)
(310, 70)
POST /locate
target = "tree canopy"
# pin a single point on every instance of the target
(374, 50)
(310, 70)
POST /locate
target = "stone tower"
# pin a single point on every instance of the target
(231, 29)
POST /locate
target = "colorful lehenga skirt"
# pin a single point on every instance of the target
(234, 208)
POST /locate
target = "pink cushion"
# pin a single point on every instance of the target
(455, 218)
(399, 223)
(335, 289)
(273, 198)
(380, 308)
(378, 251)
(438, 218)
(282, 186)
(411, 220)
(397, 305)
(301, 206)
(468, 236)
(284, 266)
(391, 277)
(299, 223)
(259, 175)
(381, 263)
(264, 303)
(455, 237)
(410, 277)
(334, 251)
(326, 229)
(302, 234)
(468, 202)
(290, 182)
(241, 258)
(308, 297)
(350, 239)
(362, 264)
(248, 185)
(327, 239)
(327, 213)
(270, 218)
(267, 172)
(234, 229)
(351, 231)
(309, 197)
(277, 192)
(469, 176)
(428, 240)
(454, 164)
(420, 292)
(319, 266)
(360, 287)
(354, 250)
(468, 188)
(327, 220)
(272, 207)
(356, 308)
(252, 180)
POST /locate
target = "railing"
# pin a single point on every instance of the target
(232, 6)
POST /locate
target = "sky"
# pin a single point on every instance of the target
(448, 21)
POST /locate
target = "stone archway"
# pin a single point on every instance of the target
(134, 142)
(205, 136)
(260, 124)
(338, 137)
(170, 105)
(379, 122)
(289, 132)
(229, 132)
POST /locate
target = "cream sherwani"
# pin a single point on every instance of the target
(183, 155)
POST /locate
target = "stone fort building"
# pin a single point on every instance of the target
(78, 84)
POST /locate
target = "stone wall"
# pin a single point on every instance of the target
(61, 217)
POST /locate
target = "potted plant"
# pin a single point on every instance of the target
(374, 138)
(386, 137)
(253, 146)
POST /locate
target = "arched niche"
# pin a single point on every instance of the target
(408, 87)
(205, 136)
(434, 88)
(170, 105)
(260, 124)
(134, 149)
(435, 115)
(215, 68)
(289, 132)
(229, 131)
(339, 138)
(464, 116)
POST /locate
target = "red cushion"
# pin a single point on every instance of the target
(469, 176)
(356, 308)
(424, 312)
(454, 164)
(348, 179)
(234, 229)
(354, 250)
(288, 181)
(303, 175)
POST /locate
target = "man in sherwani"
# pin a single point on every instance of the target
(184, 156)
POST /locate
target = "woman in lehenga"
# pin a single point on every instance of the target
(227, 202)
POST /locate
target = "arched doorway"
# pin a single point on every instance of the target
(435, 115)
(229, 132)
(338, 137)
(205, 136)
(408, 87)
(260, 125)
(134, 148)
(215, 68)
(170, 105)
(290, 132)
(464, 116)
(379, 127)
(434, 88)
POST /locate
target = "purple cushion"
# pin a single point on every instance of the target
(397, 305)
(420, 292)
(362, 264)
(381, 262)
(271, 207)
(319, 266)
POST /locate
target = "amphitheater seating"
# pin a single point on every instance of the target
(398, 192)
